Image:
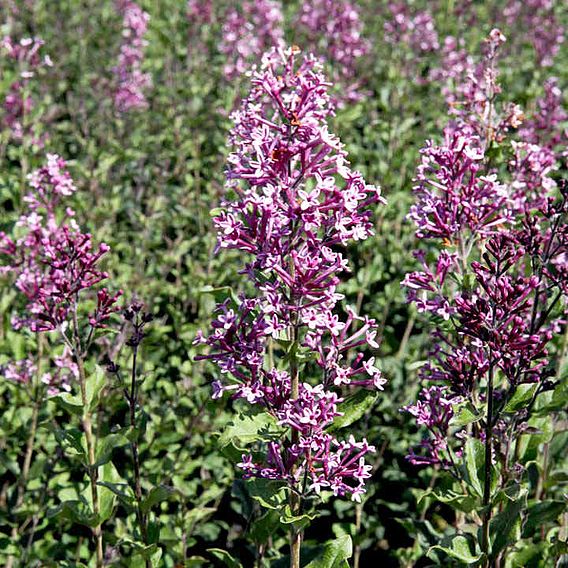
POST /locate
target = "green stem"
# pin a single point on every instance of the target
(92, 470)
(133, 400)
(487, 469)
(295, 498)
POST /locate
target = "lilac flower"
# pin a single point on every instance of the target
(415, 29)
(53, 261)
(540, 26)
(292, 203)
(531, 184)
(452, 195)
(200, 12)
(131, 82)
(545, 127)
(250, 28)
(21, 372)
(333, 29)
(18, 103)
(434, 410)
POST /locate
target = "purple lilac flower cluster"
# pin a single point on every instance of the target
(545, 127)
(56, 380)
(53, 261)
(250, 28)
(18, 103)
(416, 29)
(333, 30)
(131, 82)
(200, 12)
(500, 259)
(293, 202)
(540, 26)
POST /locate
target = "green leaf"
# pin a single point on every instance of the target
(71, 440)
(122, 490)
(541, 513)
(300, 522)
(353, 408)
(95, 385)
(70, 403)
(465, 503)
(505, 527)
(465, 414)
(335, 554)
(270, 493)
(522, 396)
(157, 495)
(460, 547)
(225, 557)
(106, 445)
(249, 429)
(264, 527)
(474, 459)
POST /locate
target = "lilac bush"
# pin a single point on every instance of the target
(54, 265)
(493, 280)
(292, 202)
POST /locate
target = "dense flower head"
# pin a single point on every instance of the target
(497, 277)
(416, 29)
(473, 99)
(434, 410)
(52, 261)
(62, 373)
(292, 203)
(333, 29)
(131, 81)
(454, 65)
(452, 193)
(250, 28)
(531, 184)
(27, 53)
(540, 27)
(200, 12)
(18, 102)
(547, 126)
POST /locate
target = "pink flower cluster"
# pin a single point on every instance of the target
(18, 103)
(545, 126)
(453, 194)
(293, 203)
(53, 261)
(250, 28)
(416, 29)
(56, 380)
(131, 82)
(200, 12)
(539, 25)
(434, 409)
(333, 30)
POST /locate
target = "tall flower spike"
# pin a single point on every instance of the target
(292, 203)
(131, 82)
(53, 261)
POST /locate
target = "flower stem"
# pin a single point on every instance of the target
(295, 498)
(487, 469)
(133, 401)
(92, 470)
